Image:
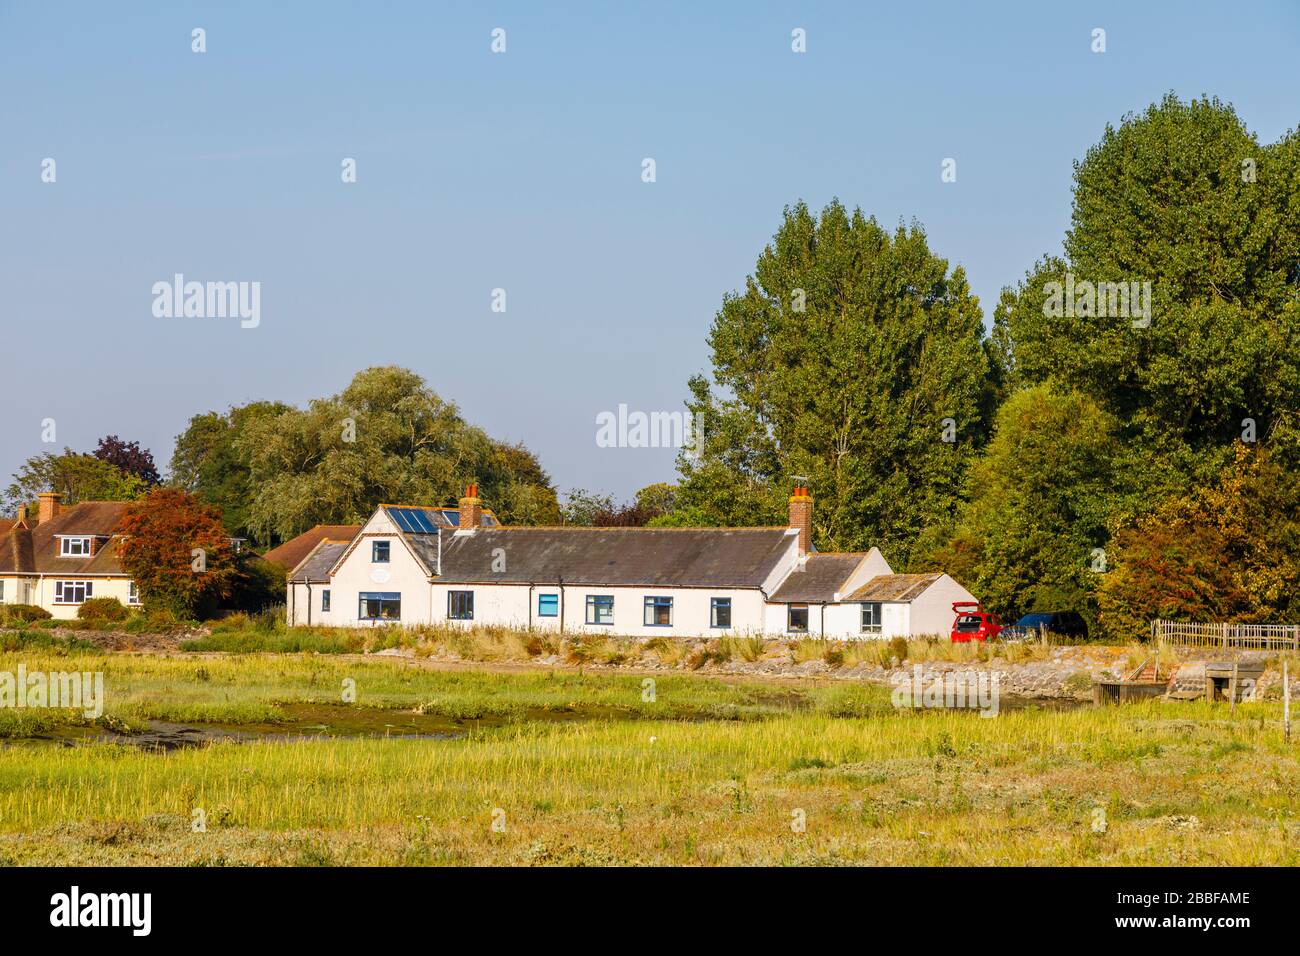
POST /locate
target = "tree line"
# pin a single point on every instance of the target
(1122, 441)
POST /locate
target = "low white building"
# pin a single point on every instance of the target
(407, 566)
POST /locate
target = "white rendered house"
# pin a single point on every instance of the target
(407, 566)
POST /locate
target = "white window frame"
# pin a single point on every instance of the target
(86, 542)
(62, 587)
(132, 594)
(877, 627)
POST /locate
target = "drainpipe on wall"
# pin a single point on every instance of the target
(531, 585)
(309, 604)
(561, 585)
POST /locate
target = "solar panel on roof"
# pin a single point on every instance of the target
(412, 520)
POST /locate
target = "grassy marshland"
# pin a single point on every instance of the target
(709, 772)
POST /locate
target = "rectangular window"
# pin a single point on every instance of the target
(325, 600)
(871, 617)
(72, 592)
(797, 619)
(2, 592)
(379, 552)
(132, 593)
(380, 606)
(74, 547)
(460, 605)
(720, 612)
(658, 612)
(548, 605)
(600, 609)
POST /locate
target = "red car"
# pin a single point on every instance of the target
(974, 623)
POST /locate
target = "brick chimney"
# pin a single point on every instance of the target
(801, 511)
(49, 509)
(471, 507)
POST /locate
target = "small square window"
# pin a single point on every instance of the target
(797, 619)
(548, 605)
(460, 605)
(658, 612)
(871, 623)
(379, 551)
(600, 609)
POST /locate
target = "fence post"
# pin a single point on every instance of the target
(1223, 629)
(1295, 638)
(1286, 704)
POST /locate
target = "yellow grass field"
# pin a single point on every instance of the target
(565, 768)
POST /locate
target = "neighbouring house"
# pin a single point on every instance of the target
(64, 556)
(292, 553)
(408, 565)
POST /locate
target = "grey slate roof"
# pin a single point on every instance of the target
(894, 587)
(315, 568)
(651, 557)
(818, 580)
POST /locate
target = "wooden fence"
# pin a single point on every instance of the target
(1245, 636)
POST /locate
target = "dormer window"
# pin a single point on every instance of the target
(75, 547)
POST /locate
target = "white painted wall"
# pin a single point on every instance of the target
(871, 565)
(509, 605)
(358, 573)
(932, 611)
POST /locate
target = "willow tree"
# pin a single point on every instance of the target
(387, 437)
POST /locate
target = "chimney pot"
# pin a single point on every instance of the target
(801, 509)
(471, 508)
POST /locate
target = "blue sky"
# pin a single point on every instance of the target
(522, 171)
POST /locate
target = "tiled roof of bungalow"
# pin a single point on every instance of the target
(614, 557)
(894, 587)
(818, 580)
(291, 553)
(315, 567)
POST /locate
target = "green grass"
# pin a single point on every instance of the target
(709, 772)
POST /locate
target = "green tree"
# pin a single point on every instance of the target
(75, 476)
(1184, 198)
(1033, 532)
(851, 358)
(207, 463)
(387, 437)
